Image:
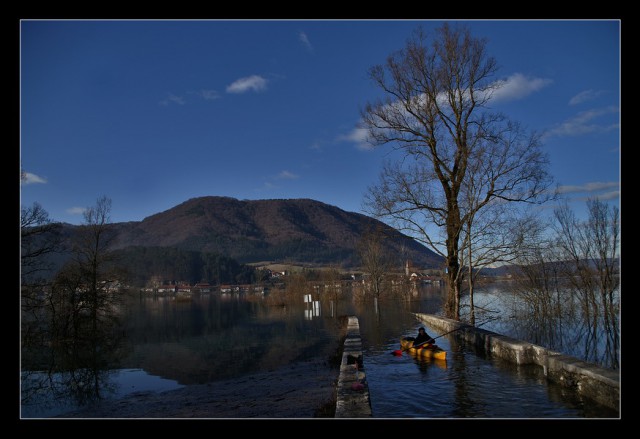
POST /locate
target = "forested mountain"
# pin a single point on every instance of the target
(211, 238)
(146, 266)
(292, 230)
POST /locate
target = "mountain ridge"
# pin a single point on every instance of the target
(300, 230)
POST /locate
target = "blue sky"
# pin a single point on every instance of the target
(153, 113)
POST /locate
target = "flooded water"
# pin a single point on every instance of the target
(465, 385)
(167, 344)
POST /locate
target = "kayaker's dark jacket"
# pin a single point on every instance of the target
(422, 337)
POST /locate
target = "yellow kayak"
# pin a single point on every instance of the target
(424, 351)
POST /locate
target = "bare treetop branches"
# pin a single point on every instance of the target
(431, 94)
(457, 156)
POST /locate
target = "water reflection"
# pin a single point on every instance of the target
(424, 364)
(204, 339)
(212, 337)
(70, 372)
(313, 309)
(559, 323)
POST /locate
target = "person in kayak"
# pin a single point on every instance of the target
(422, 338)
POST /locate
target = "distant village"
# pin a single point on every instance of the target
(275, 279)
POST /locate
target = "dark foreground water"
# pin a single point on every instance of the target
(465, 385)
(168, 344)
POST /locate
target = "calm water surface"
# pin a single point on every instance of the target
(467, 384)
(169, 344)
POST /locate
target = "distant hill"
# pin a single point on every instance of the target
(284, 230)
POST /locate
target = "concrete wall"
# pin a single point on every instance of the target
(593, 382)
(353, 392)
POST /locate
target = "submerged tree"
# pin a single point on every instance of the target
(571, 280)
(80, 338)
(374, 259)
(84, 292)
(590, 252)
(39, 239)
(435, 115)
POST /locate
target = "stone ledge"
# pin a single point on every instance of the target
(591, 381)
(353, 391)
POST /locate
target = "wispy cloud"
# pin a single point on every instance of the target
(29, 178)
(286, 175)
(173, 99)
(517, 86)
(268, 186)
(584, 96)
(358, 136)
(208, 95)
(76, 210)
(271, 184)
(596, 186)
(601, 190)
(583, 123)
(606, 196)
(304, 39)
(250, 83)
(613, 195)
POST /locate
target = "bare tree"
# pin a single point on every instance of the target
(494, 236)
(590, 252)
(374, 259)
(333, 287)
(569, 283)
(94, 262)
(434, 113)
(538, 284)
(39, 237)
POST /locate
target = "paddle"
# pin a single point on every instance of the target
(399, 352)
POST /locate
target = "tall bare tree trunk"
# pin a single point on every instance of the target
(452, 303)
(435, 114)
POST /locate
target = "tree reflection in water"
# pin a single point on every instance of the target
(63, 370)
(70, 371)
(566, 293)
(556, 321)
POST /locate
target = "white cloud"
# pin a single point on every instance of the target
(603, 191)
(607, 196)
(250, 83)
(29, 178)
(585, 96)
(304, 39)
(209, 95)
(613, 195)
(173, 99)
(517, 86)
(582, 123)
(596, 186)
(76, 210)
(270, 185)
(286, 175)
(358, 136)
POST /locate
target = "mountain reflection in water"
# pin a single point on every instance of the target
(160, 343)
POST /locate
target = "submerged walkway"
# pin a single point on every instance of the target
(593, 382)
(353, 391)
